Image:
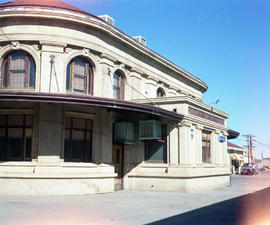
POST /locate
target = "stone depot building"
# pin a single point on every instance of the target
(85, 108)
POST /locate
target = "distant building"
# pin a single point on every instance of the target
(237, 155)
(265, 162)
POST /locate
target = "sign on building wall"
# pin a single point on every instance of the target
(204, 115)
(222, 139)
(192, 133)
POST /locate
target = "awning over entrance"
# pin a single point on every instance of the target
(237, 157)
(89, 101)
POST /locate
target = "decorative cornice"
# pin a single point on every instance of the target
(107, 56)
(136, 70)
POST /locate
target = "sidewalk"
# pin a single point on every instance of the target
(124, 207)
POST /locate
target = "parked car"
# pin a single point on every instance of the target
(247, 169)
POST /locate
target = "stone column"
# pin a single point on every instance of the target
(184, 139)
(226, 157)
(215, 147)
(52, 75)
(105, 137)
(107, 67)
(50, 134)
(174, 146)
(135, 80)
(198, 136)
(151, 87)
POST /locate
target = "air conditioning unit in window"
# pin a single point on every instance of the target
(107, 19)
(140, 39)
(150, 130)
(124, 133)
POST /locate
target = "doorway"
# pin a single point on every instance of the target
(118, 162)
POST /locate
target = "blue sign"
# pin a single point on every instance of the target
(222, 138)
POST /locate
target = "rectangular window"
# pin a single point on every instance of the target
(206, 149)
(16, 133)
(156, 150)
(78, 140)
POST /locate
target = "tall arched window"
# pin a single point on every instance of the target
(18, 71)
(160, 93)
(79, 76)
(118, 85)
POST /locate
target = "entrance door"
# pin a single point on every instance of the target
(118, 162)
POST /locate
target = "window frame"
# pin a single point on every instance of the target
(88, 76)
(68, 150)
(163, 142)
(29, 71)
(161, 93)
(206, 158)
(23, 149)
(120, 87)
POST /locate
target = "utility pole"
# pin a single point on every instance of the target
(250, 147)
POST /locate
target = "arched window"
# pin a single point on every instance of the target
(160, 93)
(79, 76)
(118, 85)
(18, 71)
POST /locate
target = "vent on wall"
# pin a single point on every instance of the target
(124, 133)
(107, 19)
(150, 130)
(140, 39)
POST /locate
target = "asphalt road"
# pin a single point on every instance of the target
(246, 202)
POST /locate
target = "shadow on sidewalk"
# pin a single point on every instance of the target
(250, 209)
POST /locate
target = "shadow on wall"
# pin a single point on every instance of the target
(251, 209)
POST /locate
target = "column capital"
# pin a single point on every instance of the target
(185, 123)
(199, 127)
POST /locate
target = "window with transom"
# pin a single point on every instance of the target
(78, 140)
(206, 146)
(16, 134)
(79, 76)
(118, 85)
(18, 71)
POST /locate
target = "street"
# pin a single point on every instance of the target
(246, 202)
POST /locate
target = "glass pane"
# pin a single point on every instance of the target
(154, 151)
(32, 73)
(15, 120)
(2, 121)
(29, 121)
(17, 61)
(115, 93)
(116, 80)
(15, 143)
(79, 123)
(2, 142)
(77, 145)
(17, 79)
(67, 144)
(79, 67)
(88, 147)
(68, 122)
(28, 147)
(68, 77)
(78, 83)
(89, 124)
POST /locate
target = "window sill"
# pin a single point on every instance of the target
(151, 164)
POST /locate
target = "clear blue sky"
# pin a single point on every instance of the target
(226, 43)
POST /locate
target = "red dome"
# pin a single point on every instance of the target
(44, 3)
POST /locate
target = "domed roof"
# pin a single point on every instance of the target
(43, 3)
